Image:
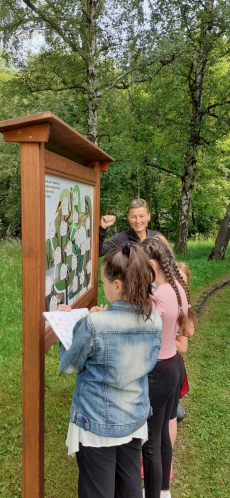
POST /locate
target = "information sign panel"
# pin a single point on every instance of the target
(69, 232)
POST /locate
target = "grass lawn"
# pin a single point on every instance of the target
(202, 456)
(204, 439)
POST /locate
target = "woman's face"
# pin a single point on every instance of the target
(138, 219)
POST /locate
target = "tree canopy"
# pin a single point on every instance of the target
(149, 84)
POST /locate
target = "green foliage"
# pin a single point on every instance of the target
(11, 297)
(203, 273)
(144, 93)
(149, 145)
(149, 142)
(10, 192)
(197, 101)
(202, 459)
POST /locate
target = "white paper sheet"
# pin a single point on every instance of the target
(62, 323)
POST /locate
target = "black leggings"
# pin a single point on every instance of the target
(164, 381)
(110, 472)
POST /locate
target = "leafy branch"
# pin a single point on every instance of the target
(164, 169)
(54, 26)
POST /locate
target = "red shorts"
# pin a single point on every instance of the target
(184, 388)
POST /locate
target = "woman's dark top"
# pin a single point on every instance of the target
(119, 238)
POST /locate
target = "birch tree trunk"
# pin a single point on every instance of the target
(185, 201)
(221, 243)
(91, 84)
(196, 86)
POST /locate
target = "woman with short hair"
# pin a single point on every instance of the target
(138, 216)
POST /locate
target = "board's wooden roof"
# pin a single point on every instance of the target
(63, 139)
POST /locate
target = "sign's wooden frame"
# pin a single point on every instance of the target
(48, 145)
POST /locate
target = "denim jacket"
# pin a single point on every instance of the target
(112, 352)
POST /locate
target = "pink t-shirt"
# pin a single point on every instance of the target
(166, 305)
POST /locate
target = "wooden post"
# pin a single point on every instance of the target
(33, 341)
(68, 155)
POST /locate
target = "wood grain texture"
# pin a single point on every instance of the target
(60, 166)
(104, 166)
(37, 133)
(96, 222)
(33, 339)
(63, 139)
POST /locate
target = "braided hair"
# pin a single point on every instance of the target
(156, 249)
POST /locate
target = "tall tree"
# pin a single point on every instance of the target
(149, 153)
(222, 239)
(221, 243)
(83, 34)
(199, 31)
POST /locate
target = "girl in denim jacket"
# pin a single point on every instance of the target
(112, 352)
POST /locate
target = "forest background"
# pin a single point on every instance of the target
(148, 81)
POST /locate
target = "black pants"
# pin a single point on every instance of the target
(113, 472)
(164, 381)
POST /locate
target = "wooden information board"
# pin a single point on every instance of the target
(60, 180)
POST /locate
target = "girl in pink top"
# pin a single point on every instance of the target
(172, 301)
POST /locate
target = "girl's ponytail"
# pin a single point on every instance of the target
(130, 265)
(125, 249)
